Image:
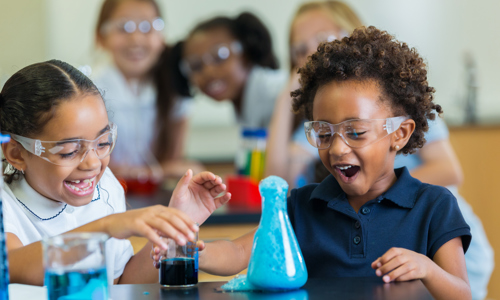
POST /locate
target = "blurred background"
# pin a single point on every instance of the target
(444, 32)
(459, 39)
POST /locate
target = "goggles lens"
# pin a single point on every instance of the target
(70, 153)
(130, 26)
(217, 55)
(355, 133)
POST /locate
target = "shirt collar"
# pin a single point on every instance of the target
(35, 204)
(402, 193)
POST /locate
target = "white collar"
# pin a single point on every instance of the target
(37, 205)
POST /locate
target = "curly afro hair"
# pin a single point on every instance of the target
(372, 54)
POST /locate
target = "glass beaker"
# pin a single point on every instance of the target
(179, 264)
(75, 266)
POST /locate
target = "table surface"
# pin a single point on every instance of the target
(325, 288)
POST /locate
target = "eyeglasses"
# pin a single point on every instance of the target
(216, 56)
(356, 133)
(130, 26)
(70, 153)
(303, 48)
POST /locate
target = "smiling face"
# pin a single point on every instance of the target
(308, 30)
(83, 117)
(133, 53)
(223, 80)
(363, 173)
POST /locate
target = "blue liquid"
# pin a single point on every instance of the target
(88, 284)
(178, 272)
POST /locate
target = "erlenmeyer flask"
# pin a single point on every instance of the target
(276, 262)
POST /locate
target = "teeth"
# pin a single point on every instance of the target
(87, 181)
(344, 168)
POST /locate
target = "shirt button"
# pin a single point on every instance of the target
(357, 225)
(357, 239)
(365, 211)
(70, 210)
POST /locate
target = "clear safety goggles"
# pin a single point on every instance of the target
(70, 153)
(131, 26)
(356, 133)
(303, 48)
(216, 56)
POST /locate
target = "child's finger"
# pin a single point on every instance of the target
(181, 222)
(222, 200)
(167, 230)
(203, 177)
(389, 255)
(183, 183)
(394, 263)
(147, 232)
(201, 245)
(216, 190)
(398, 273)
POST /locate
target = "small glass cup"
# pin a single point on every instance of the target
(75, 266)
(179, 264)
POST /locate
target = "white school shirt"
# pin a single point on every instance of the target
(133, 109)
(32, 217)
(262, 88)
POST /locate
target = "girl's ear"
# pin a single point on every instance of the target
(402, 135)
(13, 155)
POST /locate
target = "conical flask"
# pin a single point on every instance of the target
(276, 262)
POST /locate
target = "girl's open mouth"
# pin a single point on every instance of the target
(348, 173)
(81, 187)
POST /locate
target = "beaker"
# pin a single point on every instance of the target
(75, 266)
(179, 264)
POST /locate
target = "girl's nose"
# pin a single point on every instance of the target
(338, 147)
(90, 161)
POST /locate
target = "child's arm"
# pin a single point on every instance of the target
(25, 262)
(445, 276)
(225, 258)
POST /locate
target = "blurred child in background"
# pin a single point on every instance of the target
(152, 120)
(289, 155)
(232, 59)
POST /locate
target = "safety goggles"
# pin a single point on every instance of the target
(303, 48)
(130, 26)
(218, 54)
(70, 153)
(356, 133)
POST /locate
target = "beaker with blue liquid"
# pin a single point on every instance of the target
(75, 266)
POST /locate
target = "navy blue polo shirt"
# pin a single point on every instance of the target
(338, 242)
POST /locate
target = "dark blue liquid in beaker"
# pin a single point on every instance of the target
(178, 272)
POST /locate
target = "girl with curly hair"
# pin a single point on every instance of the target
(367, 99)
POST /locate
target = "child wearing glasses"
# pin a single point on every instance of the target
(367, 99)
(57, 178)
(131, 32)
(232, 59)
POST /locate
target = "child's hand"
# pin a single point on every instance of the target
(151, 222)
(399, 264)
(155, 253)
(196, 196)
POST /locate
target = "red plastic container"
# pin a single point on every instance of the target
(139, 187)
(244, 191)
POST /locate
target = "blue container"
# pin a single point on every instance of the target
(4, 271)
(276, 262)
